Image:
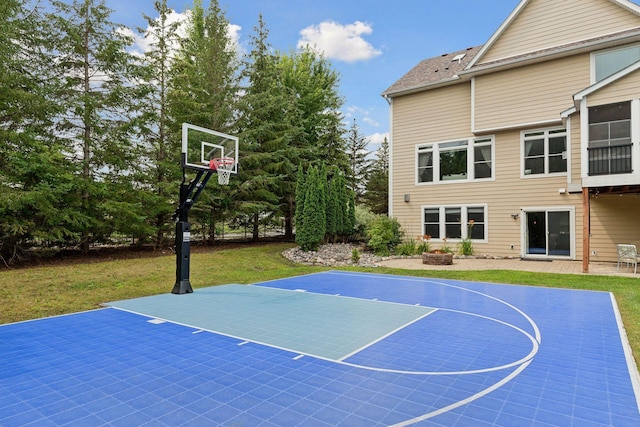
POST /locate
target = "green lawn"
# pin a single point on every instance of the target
(31, 293)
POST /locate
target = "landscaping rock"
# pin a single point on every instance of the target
(332, 255)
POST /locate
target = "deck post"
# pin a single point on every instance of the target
(586, 227)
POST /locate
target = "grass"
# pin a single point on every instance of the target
(46, 291)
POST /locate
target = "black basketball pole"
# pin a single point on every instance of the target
(189, 193)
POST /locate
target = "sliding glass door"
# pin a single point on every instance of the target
(548, 232)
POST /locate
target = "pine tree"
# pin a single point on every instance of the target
(377, 194)
(160, 132)
(99, 98)
(267, 127)
(203, 91)
(37, 205)
(332, 144)
(358, 162)
(204, 81)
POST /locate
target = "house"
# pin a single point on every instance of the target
(528, 145)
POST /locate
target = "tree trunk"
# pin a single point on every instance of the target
(288, 219)
(256, 227)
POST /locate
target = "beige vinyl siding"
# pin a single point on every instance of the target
(421, 118)
(614, 220)
(549, 23)
(529, 95)
(504, 196)
(621, 90)
(576, 150)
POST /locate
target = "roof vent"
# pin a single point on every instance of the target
(459, 57)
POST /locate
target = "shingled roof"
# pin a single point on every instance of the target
(433, 70)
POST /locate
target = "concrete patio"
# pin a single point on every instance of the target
(538, 266)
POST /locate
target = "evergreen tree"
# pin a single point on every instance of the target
(99, 100)
(350, 220)
(160, 132)
(301, 190)
(377, 195)
(341, 205)
(331, 210)
(332, 144)
(267, 117)
(203, 91)
(312, 86)
(314, 219)
(37, 205)
(204, 81)
(358, 162)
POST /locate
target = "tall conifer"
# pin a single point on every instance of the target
(99, 98)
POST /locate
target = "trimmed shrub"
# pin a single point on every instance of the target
(364, 219)
(384, 235)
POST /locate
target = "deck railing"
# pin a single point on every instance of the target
(610, 160)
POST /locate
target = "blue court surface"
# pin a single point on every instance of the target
(327, 349)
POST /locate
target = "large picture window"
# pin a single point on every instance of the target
(455, 222)
(464, 160)
(544, 152)
(453, 161)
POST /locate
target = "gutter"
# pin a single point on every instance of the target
(420, 88)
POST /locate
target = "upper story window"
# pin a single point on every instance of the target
(611, 61)
(610, 148)
(464, 160)
(544, 152)
(610, 124)
(453, 160)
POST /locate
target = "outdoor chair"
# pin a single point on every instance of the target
(628, 254)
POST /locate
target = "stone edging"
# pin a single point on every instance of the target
(339, 255)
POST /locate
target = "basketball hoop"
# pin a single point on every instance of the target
(223, 166)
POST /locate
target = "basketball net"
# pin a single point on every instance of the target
(223, 167)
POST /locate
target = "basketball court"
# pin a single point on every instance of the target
(333, 348)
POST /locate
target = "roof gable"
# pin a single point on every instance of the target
(536, 25)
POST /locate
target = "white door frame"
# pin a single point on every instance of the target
(546, 209)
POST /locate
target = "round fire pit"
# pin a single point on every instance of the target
(437, 258)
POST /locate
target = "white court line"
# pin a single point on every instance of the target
(628, 355)
(423, 280)
(467, 400)
(385, 336)
(534, 350)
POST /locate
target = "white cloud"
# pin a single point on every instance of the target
(371, 122)
(374, 142)
(341, 42)
(377, 138)
(144, 42)
(233, 31)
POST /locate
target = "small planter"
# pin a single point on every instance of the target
(437, 258)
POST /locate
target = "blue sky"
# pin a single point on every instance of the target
(371, 43)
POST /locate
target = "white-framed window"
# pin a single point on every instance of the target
(455, 161)
(455, 222)
(544, 152)
(610, 147)
(607, 62)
